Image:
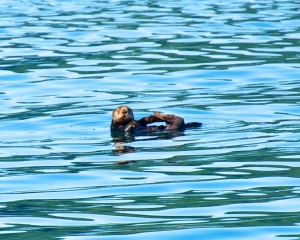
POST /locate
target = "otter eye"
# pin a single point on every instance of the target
(124, 111)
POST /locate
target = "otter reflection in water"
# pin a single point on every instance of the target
(124, 127)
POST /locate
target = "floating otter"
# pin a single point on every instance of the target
(123, 120)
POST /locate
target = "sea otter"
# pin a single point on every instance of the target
(123, 120)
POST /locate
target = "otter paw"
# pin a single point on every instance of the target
(165, 118)
(131, 126)
(159, 115)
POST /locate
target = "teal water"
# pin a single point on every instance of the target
(233, 65)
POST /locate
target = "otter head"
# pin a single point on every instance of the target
(122, 115)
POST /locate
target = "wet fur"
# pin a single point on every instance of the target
(123, 120)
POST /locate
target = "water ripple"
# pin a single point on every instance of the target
(65, 65)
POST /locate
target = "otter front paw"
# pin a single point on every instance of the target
(131, 126)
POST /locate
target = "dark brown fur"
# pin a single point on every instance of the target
(123, 120)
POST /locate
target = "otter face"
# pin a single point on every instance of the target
(122, 115)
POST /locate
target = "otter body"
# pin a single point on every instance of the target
(123, 120)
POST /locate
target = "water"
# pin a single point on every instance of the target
(233, 65)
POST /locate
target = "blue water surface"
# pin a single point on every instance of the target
(232, 65)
